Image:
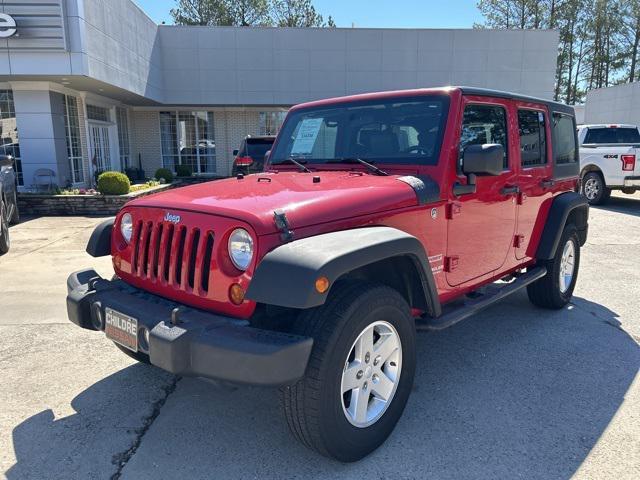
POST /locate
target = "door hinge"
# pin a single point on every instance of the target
(453, 210)
(518, 241)
(521, 198)
(451, 263)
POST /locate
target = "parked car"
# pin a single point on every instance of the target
(608, 162)
(249, 158)
(379, 214)
(8, 201)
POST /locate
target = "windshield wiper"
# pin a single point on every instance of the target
(297, 163)
(370, 166)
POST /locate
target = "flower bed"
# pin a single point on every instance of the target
(82, 202)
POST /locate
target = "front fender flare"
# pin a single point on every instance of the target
(286, 276)
(100, 241)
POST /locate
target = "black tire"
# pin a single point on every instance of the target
(139, 356)
(594, 188)
(547, 292)
(15, 218)
(313, 406)
(5, 240)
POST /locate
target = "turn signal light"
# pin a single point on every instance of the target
(322, 284)
(236, 294)
(628, 162)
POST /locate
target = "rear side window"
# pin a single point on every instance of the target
(533, 138)
(612, 135)
(484, 124)
(564, 135)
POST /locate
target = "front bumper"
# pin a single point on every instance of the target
(190, 342)
(632, 182)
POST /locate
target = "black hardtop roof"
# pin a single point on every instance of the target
(487, 92)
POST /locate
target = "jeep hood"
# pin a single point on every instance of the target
(306, 198)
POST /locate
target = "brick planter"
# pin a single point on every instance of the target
(108, 205)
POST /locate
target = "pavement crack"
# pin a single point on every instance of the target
(121, 459)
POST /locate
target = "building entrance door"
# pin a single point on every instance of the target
(100, 148)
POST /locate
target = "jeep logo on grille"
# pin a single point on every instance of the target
(170, 217)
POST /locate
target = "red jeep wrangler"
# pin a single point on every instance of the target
(377, 215)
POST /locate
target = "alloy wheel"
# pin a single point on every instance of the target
(371, 374)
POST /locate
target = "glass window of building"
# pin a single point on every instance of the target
(9, 142)
(122, 120)
(188, 138)
(74, 147)
(100, 114)
(270, 122)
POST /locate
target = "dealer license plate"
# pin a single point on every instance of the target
(121, 328)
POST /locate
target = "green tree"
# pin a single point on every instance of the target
(221, 12)
(244, 13)
(197, 12)
(298, 13)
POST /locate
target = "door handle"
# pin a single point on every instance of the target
(547, 183)
(510, 190)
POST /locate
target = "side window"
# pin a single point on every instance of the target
(533, 138)
(484, 124)
(564, 134)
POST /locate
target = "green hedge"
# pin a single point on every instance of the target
(164, 173)
(113, 183)
(183, 171)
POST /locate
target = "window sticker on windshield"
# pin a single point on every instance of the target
(306, 137)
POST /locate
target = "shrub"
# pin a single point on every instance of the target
(164, 173)
(113, 183)
(183, 171)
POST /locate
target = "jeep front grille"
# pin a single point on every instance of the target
(175, 255)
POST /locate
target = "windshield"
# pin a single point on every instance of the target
(401, 131)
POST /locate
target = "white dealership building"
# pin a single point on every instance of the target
(92, 85)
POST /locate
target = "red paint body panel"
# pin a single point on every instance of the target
(478, 229)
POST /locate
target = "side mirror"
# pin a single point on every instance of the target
(6, 161)
(484, 159)
(235, 152)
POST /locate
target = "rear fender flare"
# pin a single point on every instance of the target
(286, 276)
(564, 205)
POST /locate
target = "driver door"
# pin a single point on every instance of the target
(481, 225)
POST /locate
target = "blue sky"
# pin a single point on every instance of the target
(371, 13)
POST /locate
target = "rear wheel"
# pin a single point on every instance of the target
(359, 375)
(5, 241)
(595, 189)
(555, 289)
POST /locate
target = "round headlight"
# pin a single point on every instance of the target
(241, 248)
(126, 227)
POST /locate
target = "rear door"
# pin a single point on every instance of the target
(535, 178)
(481, 224)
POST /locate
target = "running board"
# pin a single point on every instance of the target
(474, 305)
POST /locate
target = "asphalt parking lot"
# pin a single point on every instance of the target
(515, 392)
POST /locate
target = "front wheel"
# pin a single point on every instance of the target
(15, 218)
(555, 289)
(5, 241)
(360, 372)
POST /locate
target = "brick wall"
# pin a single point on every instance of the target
(145, 141)
(231, 128)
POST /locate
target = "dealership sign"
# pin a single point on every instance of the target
(7, 26)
